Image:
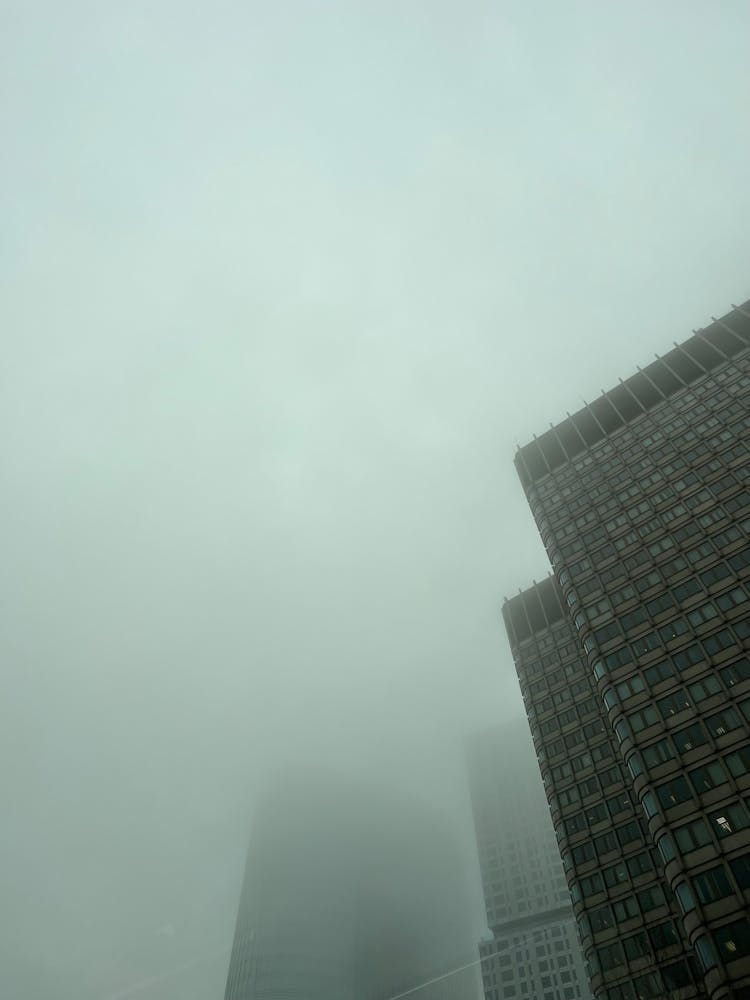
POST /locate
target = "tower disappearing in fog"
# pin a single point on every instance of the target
(350, 893)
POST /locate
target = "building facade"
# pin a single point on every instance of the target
(642, 500)
(534, 950)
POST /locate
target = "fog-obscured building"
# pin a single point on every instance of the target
(534, 950)
(350, 893)
(642, 499)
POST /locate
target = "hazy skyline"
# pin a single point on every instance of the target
(282, 288)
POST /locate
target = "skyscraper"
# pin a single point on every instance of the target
(642, 500)
(350, 893)
(534, 951)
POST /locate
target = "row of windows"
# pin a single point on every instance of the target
(697, 734)
(619, 911)
(717, 826)
(644, 943)
(620, 838)
(692, 620)
(657, 984)
(567, 717)
(597, 813)
(593, 786)
(703, 779)
(613, 876)
(709, 646)
(715, 724)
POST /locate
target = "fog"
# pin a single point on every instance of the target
(283, 285)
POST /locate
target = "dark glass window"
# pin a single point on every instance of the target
(663, 935)
(738, 762)
(712, 885)
(719, 641)
(582, 853)
(692, 835)
(610, 956)
(636, 946)
(650, 898)
(658, 753)
(733, 940)
(615, 874)
(648, 986)
(674, 703)
(676, 976)
(688, 657)
(672, 793)
(735, 672)
(639, 864)
(625, 908)
(741, 871)
(605, 843)
(711, 775)
(689, 738)
(648, 716)
(629, 833)
(724, 822)
(723, 722)
(659, 672)
(704, 688)
(601, 919)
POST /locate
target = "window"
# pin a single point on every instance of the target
(724, 822)
(615, 874)
(715, 574)
(705, 778)
(645, 644)
(658, 753)
(650, 898)
(692, 835)
(688, 657)
(618, 804)
(718, 642)
(676, 976)
(663, 935)
(731, 599)
(601, 919)
(628, 688)
(619, 658)
(673, 704)
(640, 864)
(736, 672)
(648, 716)
(733, 940)
(629, 833)
(712, 885)
(648, 986)
(685, 897)
(672, 793)
(591, 885)
(659, 672)
(625, 909)
(605, 843)
(738, 762)
(702, 614)
(686, 590)
(583, 853)
(703, 689)
(636, 946)
(660, 604)
(741, 871)
(673, 630)
(723, 722)
(689, 738)
(610, 956)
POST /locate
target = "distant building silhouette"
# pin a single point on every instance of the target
(534, 952)
(634, 667)
(350, 893)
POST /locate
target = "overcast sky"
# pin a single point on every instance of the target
(282, 286)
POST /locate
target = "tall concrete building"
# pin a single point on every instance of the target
(350, 893)
(534, 950)
(642, 500)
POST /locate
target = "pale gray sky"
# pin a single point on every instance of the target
(282, 285)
